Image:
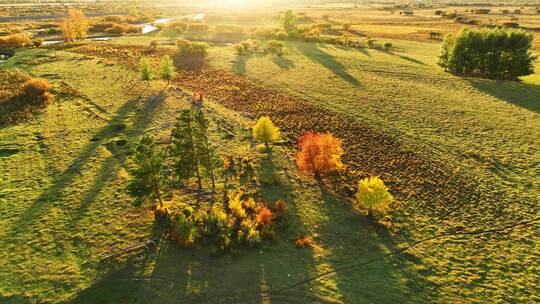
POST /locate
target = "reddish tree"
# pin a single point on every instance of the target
(320, 153)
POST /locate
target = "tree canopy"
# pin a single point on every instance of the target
(496, 54)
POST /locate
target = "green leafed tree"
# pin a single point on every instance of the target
(148, 175)
(166, 69)
(288, 20)
(205, 151)
(145, 70)
(497, 54)
(192, 153)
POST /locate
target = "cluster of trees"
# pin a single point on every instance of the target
(251, 46)
(190, 155)
(496, 54)
(320, 154)
(240, 221)
(75, 26)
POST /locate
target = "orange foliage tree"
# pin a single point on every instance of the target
(320, 153)
(75, 26)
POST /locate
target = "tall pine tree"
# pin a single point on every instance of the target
(191, 150)
(148, 175)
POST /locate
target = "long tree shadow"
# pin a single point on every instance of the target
(517, 93)
(313, 52)
(354, 249)
(64, 179)
(283, 62)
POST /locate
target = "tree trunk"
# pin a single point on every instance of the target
(158, 194)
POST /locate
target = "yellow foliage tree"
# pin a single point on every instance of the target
(75, 26)
(373, 195)
(265, 131)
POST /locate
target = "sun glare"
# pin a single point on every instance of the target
(236, 3)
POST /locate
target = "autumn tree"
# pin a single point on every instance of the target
(75, 26)
(320, 153)
(265, 131)
(192, 153)
(373, 195)
(148, 175)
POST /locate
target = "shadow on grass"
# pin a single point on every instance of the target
(355, 248)
(239, 65)
(283, 62)
(64, 179)
(313, 52)
(517, 93)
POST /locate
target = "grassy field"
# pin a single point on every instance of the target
(461, 155)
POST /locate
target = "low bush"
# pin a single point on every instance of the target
(190, 55)
(15, 41)
(177, 26)
(224, 29)
(18, 103)
(198, 27)
(247, 46)
(305, 241)
(240, 222)
(275, 47)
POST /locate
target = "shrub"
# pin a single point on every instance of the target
(114, 18)
(373, 195)
(264, 216)
(511, 24)
(246, 47)
(275, 47)
(198, 27)
(117, 29)
(265, 131)
(133, 29)
(266, 33)
(101, 26)
(320, 153)
(190, 55)
(235, 205)
(497, 54)
(387, 45)
(15, 41)
(177, 26)
(21, 95)
(305, 241)
(185, 230)
(36, 87)
(281, 208)
(225, 29)
(37, 43)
